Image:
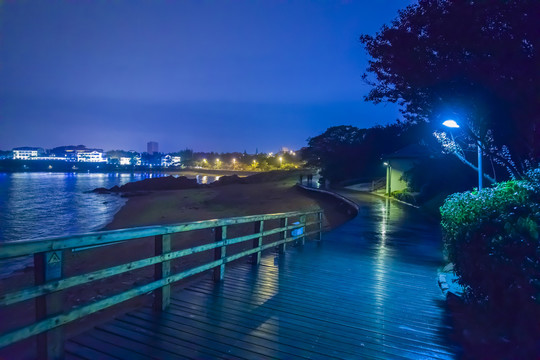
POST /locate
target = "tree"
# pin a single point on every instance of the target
(477, 60)
(347, 152)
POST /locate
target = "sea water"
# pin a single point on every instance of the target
(35, 205)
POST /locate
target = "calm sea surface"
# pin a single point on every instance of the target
(34, 205)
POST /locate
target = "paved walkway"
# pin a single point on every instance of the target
(368, 292)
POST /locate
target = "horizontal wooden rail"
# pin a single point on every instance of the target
(52, 282)
(26, 294)
(28, 247)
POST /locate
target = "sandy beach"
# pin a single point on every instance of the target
(167, 207)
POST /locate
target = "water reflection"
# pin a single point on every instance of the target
(206, 179)
(381, 255)
(34, 205)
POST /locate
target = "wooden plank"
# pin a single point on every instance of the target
(269, 329)
(238, 342)
(110, 349)
(153, 326)
(318, 311)
(83, 352)
(143, 345)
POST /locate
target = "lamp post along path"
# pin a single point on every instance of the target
(452, 124)
(480, 169)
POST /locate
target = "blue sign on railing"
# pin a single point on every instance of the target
(297, 232)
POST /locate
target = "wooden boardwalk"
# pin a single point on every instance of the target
(368, 292)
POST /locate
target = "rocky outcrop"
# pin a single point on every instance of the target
(153, 184)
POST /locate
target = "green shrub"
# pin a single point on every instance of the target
(492, 237)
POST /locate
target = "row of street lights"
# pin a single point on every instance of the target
(234, 161)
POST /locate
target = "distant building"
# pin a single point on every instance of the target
(125, 160)
(401, 161)
(176, 160)
(27, 153)
(152, 147)
(131, 160)
(90, 155)
(166, 160)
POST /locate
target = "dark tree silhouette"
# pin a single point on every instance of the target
(477, 60)
(347, 152)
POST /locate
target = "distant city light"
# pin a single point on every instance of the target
(451, 124)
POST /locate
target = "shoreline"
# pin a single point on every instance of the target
(161, 207)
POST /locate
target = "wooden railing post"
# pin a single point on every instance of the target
(220, 252)
(162, 296)
(283, 235)
(47, 267)
(320, 219)
(258, 228)
(303, 227)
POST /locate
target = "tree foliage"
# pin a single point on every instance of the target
(347, 152)
(477, 60)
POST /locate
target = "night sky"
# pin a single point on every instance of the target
(207, 75)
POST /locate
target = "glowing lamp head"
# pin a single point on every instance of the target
(385, 163)
(451, 124)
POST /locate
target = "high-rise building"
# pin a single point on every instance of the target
(152, 147)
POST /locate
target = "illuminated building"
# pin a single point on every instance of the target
(27, 153)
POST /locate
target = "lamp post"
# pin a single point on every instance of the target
(388, 177)
(454, 125)
(280, 161)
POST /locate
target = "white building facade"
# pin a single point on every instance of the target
(90, 156)
(27, 153)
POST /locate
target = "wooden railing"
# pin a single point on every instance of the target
(51, 314)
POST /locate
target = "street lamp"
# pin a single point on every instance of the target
(454, 125)
(280, 161)
(233, 162)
